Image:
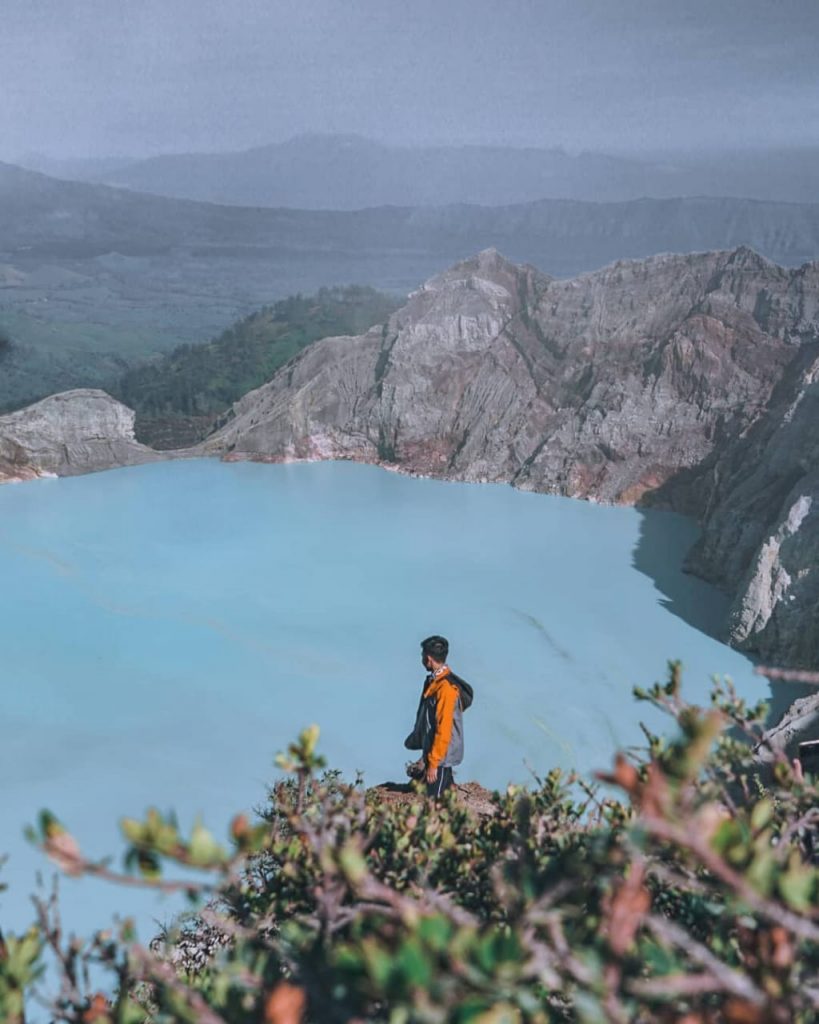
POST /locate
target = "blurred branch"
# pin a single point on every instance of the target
(720, 977)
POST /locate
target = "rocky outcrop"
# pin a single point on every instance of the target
(761, 524)
(683, 379)
(69, 433)
(603, 386)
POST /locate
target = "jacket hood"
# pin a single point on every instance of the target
(467, 693)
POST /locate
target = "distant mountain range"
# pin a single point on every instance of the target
(47, 218)
(94, 279)
(348, 172)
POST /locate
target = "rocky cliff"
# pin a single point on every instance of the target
(66, 434)
(603, 386)
(685, 379)
(761, 523)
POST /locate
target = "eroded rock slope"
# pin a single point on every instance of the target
(67, 434)
(601, 386)
(761, 535)
(687, 378)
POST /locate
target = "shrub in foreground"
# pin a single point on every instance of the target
(678, 887)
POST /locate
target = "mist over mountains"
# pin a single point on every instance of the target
(349, 172)
(46, 217)
(95, 279)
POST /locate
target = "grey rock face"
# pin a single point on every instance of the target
(602, 386)
(768, 580)
(676, 379)
(761, 536)
(67, 434)
(800, 722)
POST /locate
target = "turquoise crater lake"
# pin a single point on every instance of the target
(167, 628)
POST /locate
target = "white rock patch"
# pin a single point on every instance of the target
(769, 580)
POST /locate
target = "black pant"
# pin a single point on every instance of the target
(443, 780)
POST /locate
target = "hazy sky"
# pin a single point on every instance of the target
(96, 77)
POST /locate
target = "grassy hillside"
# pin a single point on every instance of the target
(179, 397)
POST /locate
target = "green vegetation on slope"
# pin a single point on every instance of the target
(29, 374)
(178, 397)
(687, 890)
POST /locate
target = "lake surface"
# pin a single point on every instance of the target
(166, 629)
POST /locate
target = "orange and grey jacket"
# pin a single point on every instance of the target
(438, 728)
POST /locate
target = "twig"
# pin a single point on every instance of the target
(157, 884)
(672, 985)
(156, 970)
(793, 828)
(775, 912)
(48, 917)
(227, 872)
(727, 979)
(576, 968)
(676, 878)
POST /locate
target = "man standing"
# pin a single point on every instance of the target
(438, 731)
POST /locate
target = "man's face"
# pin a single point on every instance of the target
(426, 661)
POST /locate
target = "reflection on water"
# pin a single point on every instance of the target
(663, 542)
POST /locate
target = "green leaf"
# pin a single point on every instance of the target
(148, 865)
(167, 840)
(378, 961)
(435, 932)
(762, 814)
(589, 1009)
(285, 762)
(203, 850)
(412, 962)
(352, 863)
(309, 739)
(657, 958)
(500, 1013)
(762, 870)
(49, 824)
(797, 885)
(132, 830)
(131, 1013)
(727, 835)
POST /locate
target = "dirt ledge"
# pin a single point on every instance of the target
(472, 795)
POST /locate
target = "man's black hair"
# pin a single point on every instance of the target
(436, 647)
